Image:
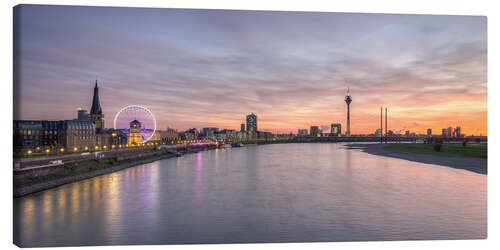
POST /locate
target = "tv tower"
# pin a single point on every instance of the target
(348, 100)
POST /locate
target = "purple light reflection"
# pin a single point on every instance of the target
(198, 185)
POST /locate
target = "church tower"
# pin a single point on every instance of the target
(96, 112)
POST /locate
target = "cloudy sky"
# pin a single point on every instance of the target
(201, 68)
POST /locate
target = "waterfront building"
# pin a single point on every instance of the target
(444, 132)
(325, 129)
(226, 134)
(302, 132)
(111, 138)
(458, 132)
(169, 134)
(264, 135)
(82, 115)
(449, 132)
(251, 124)
(407, 133)
(29, 135)
(208, 133)
(96, 114)
(314, 131)
(336, 129)
(241, 135)
(348, 101)
(429, 132)
(77, 135)
(156, 136)
(135, 136)
(242, 129)
(39, 135)
(190, 134)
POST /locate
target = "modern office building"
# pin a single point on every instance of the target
(429, 132)
(336, 129)
(302, 132)
(252, 123)
(242, 129)
(190, 134)
(458, 132)
(226, 134)
(314, 130)
(209, 133)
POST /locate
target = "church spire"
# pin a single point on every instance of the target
(96, 105)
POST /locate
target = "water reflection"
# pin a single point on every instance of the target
(271, 193)
(198, 184)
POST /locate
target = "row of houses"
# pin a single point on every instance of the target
(216, 134)
(73, 135)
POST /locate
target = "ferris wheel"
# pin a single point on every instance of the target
(136, 113)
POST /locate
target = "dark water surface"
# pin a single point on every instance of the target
(270, 193)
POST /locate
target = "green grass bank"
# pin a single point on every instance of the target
(448, 149)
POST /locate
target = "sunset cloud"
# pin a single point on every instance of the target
(200, 68)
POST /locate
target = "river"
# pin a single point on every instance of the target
(269, 193)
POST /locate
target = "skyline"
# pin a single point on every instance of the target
(210, 68)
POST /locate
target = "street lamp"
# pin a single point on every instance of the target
(62, 150)
(29, 152)
(75, 149)
(86, 148)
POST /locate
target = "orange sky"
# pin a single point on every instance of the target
(292, 69)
